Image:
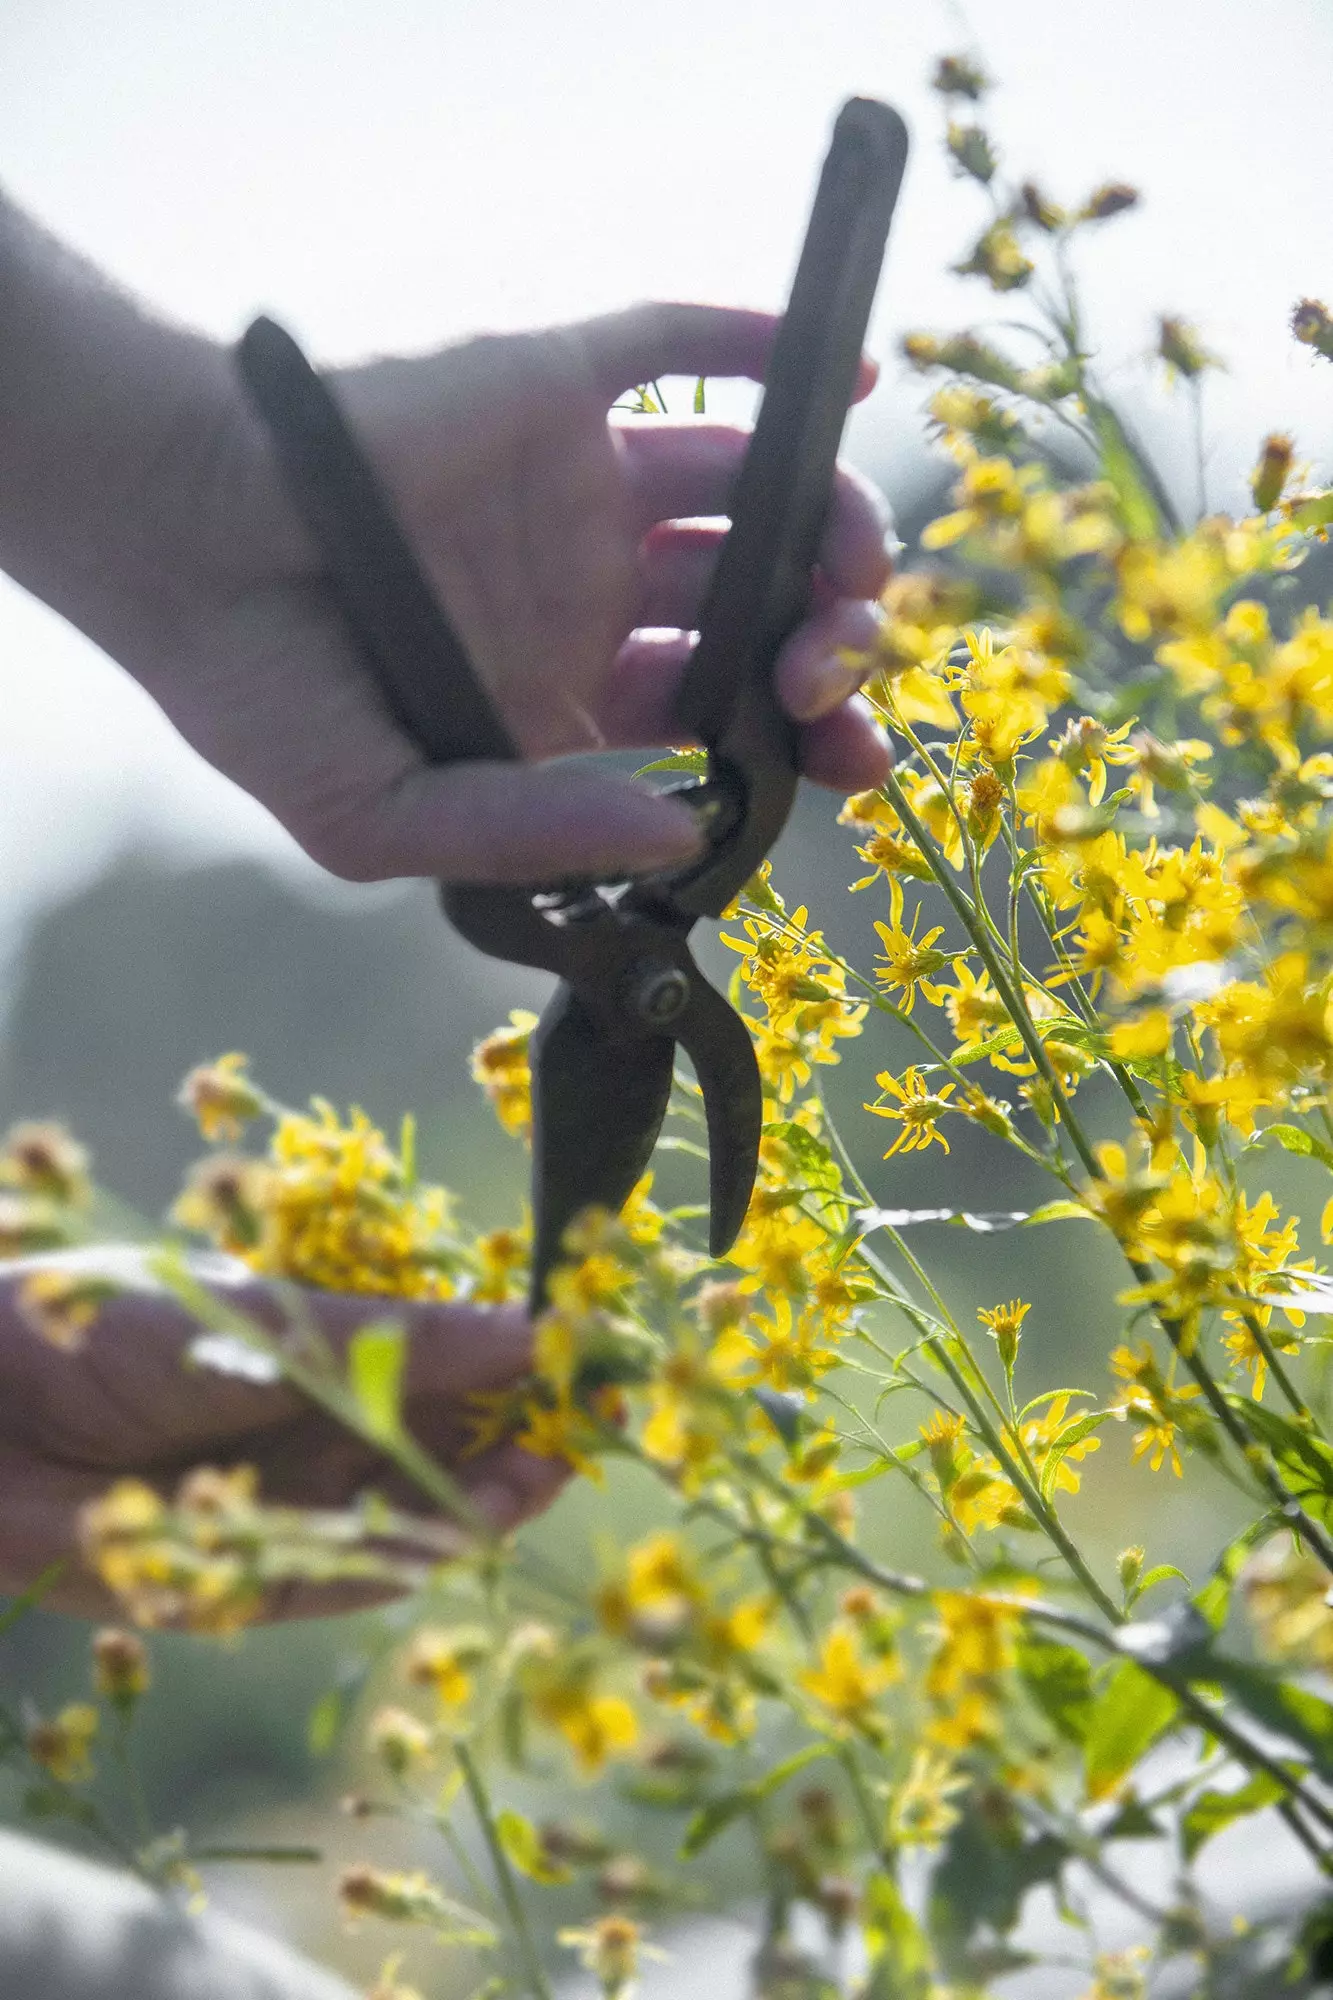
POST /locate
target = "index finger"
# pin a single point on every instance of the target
(645, 341)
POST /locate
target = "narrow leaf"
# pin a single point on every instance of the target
(1129, 1715)
(693, 761)
(1305, 1719)
(720, 1812)
(523, 1846)
(1212, 1811)
(376, 1363)
(1073, 1434)
(1156, 1575)
(1294, 1139)
(1059, 1680)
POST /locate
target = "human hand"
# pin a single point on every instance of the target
(129, 1403)
(571, 556)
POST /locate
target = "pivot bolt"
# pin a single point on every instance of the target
(660, 992)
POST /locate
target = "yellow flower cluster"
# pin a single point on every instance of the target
(331, 1204)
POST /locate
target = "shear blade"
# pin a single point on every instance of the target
(597, 1108)
(717, 1042)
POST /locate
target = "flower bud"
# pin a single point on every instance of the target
(44, 1159)
(959, 76)
(1046, 214)
(1129, 1563)
(1113, 198)
(1312, 324)
(1272, 472)
(120, 1666)
(400, 1741)
(1179, 346)
(220, 1097)
(61, 1746)
(972, 151)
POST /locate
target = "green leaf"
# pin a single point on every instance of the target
(285, 1856)
(1158, 1574)
(523, 1846)
(1129, 1715)
(1132, 1822)
(1317, 512)
(1059, 1680)
(330, 1713)
(28, 1600)
(1212, 1811)
(1305, 1719)
(1294, 1139)
(1305, 1459)
(321, 1730)
(376, 1363)
(700, 404)
(1060, 1211)
(1213, 1601)
(901, 1961)
(693, 761)
(815, 1160)
(1001, 1043)
(1073, 1434)
(1138, 511)
(720, 1812)
(980, 1882)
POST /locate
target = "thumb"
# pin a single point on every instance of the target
(508, 823)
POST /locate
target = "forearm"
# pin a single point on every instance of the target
(102, 409)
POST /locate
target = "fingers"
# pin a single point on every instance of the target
(824, 663)
(842, 748)
(686, 472)
(642, 342)
(676, 562)
(485, 823)
(508, 1485)
(645, 341)
(846, 751)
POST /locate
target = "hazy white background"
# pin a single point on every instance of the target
(394, 174)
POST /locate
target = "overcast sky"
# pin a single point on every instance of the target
(394, 173)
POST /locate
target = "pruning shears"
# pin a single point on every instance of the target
(630, 991)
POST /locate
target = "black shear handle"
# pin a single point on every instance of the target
(761, 587)
(418, 659)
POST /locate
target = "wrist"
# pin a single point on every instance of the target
(110, 422)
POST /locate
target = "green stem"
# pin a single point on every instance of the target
(534, 1971)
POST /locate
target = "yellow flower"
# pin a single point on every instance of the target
(62, 1305)
(848, 1684)
(62, 1745)
(1120, 1975)
(120, 1667)
(1286, 1596)
(221, 1098)
(500, 1066)
(1004, 1324)
(922, 1812)
(917, 1110)
(910, 961)
(412, 1899)
(974, 1650)
(400, 1741)
(44, 1159)
(446, 1660)
(610, 1949)
(596, 1726)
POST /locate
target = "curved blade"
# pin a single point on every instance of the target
(597, 1108)
(717, 1042)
